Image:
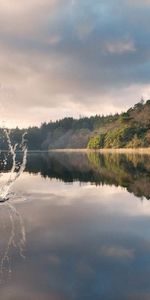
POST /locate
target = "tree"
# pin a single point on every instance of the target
(94, 142)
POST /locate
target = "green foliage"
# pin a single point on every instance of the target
(135, 142)
(147, 139)
(139, 105)
(130, 137)
(130, 128)
(119, 137)
(34, 138)
(125, 118)
(148, 102)
(94, 142)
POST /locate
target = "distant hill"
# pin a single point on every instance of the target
(130, 129)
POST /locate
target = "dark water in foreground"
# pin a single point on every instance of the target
(77, 226)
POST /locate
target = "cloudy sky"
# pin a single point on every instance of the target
(72, 57)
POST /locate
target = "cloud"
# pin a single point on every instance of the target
(71, 55)
(117, 252)
(120, 47)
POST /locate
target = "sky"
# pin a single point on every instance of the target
(75, 58)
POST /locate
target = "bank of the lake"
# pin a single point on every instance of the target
(106, 150)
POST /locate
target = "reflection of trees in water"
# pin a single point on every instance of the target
(130, 170)
(16, 240)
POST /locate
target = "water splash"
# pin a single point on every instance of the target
(17, 236)
(17, 168)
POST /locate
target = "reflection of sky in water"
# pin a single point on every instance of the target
(83, 242)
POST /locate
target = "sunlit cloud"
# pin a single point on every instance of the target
(67, 56)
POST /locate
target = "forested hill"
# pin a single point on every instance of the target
(129, 129)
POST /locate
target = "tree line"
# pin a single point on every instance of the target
(128, 129)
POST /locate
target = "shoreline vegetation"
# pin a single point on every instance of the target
(128, 130)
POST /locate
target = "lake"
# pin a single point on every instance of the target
(77, 226)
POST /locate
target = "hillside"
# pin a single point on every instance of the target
(130, 129)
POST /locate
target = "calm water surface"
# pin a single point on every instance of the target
(77, 226)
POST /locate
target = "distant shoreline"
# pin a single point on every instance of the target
(105, 150)
(85, 150)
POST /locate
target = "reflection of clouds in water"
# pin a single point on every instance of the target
(110, 198)
(116, 252)
(83, 243)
